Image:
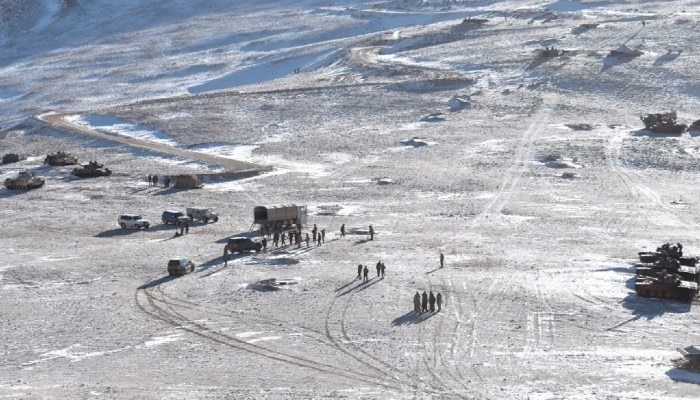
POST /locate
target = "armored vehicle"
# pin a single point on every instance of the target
(24, 181)
(241, 244)
(691, 360)
(655, 271)
(60, 158)
(10, 158)
(669, 286)
(663, 123)
(92, 169)
(180, 266)
(201, 213)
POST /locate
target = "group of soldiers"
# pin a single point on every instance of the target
(294, 237)
(153, 181)
(363, 271)
(423, 303)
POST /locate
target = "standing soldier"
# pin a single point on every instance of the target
(187, 227)
(282, 235)
(366, 272)
(323, 235)
(371, 233)
(383, 270)
(264, 243)
(313, 232)
(359, 270)
(424, 304)
(416, 303)
(342, 230)
(225, 256)
(155, 180)
(439, 301)
(431, 299)
(379, 268)
(442, 260)
(150, 180)
(276, 239)
(307, 240)
(318, 240)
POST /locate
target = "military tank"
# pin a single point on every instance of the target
(92, 169)
(10, 158)
(24, 181)
(669, 286)
(60, 158)
(663, 123)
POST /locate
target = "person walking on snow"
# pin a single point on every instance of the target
(431, 299)
(439, 301)
(379, 268)
(366, 271)
(342, 230)
(416, 302)
(359, 271)
(383, 270)
(424, 303)
(442, 260)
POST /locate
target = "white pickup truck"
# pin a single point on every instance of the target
(202, 213)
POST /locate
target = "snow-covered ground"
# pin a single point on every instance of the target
(436, 122)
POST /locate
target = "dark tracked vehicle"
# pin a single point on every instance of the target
(60, 158)
(24, 181)
(669, 286)
(92, 169)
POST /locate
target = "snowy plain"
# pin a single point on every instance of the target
(436, 122)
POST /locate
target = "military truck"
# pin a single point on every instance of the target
(24, 181)
(202, 214)
(92, 169)
(279, 217)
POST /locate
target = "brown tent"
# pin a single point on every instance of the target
(187, 181)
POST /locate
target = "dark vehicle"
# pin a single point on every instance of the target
(92, 169)
(663, 123)
(172, 217)
(241, 244)
(10, 158)
(60, 158)
(692, 358)
(669, 286)
(180, 266)
(686, 273)
(24, 181)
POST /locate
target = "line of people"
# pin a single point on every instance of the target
(153, 181)
(423, 303)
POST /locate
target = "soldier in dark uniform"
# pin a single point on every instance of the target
(313, 232)
(371, 233)
(431, 299)
(424, 303)
(379, 268)
(439, 301)
(416, 302)
(342, 230)
(359, 271)
(366, 272)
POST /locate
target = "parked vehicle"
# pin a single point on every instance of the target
(279, 217)
(241, 244)
(133, 221)
(180, 266)
(171, 217)
(24, 181)
(202, 214)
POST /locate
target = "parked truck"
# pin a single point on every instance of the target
(279, 217)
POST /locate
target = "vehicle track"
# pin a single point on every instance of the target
(154, 307)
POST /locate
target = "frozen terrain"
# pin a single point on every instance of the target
(437, 122)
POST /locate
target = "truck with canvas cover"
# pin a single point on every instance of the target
(279, 217)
